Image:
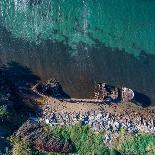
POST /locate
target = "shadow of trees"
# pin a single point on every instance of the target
(18, 79)
(15, 81)
(20, 75)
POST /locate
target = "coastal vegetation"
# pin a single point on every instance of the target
(20, 147)
(84, 141)
(139, 144)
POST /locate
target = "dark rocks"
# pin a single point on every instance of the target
(51, 88)
(34, 2)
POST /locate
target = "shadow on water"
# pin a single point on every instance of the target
(19, 78)
(23, 78)
(142, 99)
(20, 75)
(78, 73)
(15, 78)
(52, 89)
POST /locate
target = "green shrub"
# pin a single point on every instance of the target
(85, 140)
(20, 147)
(142, 144)
(4, 112)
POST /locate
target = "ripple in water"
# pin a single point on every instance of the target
(82, 42)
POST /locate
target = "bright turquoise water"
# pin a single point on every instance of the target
(82, 42)
(128, 24)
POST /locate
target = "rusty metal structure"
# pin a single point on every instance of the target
(105, 92)
(127, 94)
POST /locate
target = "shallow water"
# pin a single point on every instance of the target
(82, 42)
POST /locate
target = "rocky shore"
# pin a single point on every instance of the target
(110, 118)
(107, 119)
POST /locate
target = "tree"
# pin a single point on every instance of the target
(20, 147)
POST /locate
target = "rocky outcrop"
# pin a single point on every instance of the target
(34, 134)
(51, 88)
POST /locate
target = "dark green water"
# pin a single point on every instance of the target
(82, 42)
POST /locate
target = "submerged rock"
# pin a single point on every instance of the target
(51, 88)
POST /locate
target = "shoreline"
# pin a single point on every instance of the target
(124, 114)
(127, 107)
(97, 114)
(108, 118)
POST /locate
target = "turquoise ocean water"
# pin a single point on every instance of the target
(81, 42)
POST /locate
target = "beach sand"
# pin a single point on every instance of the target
(123, 108)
